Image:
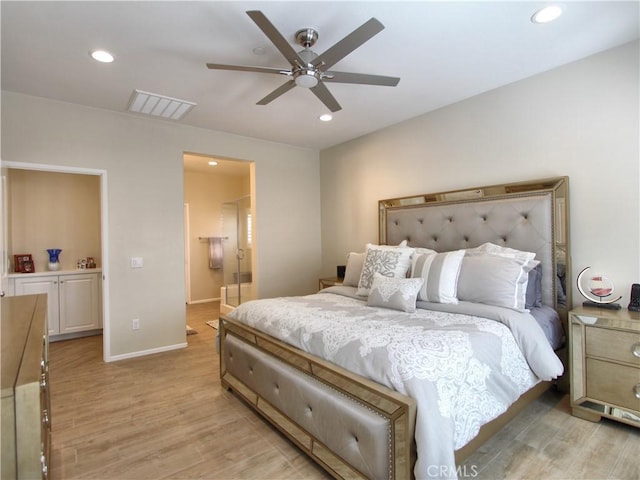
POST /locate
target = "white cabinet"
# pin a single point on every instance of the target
(73, 300)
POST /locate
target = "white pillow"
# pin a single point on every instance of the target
(390, 261)
(440, 274)
(353, 270)
(424, 251)
(493, 249)
(395, 293)
(495, 280)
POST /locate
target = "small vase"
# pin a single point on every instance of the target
(54, 262)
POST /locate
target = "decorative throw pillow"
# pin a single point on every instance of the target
(395, 293)
(387, 260)
(495, 280)
(355, 262)
(440, 275)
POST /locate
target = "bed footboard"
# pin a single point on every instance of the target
(353, 427)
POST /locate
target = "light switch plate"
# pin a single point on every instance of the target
(136, 262)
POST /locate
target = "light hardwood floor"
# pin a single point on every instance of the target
(165, 416)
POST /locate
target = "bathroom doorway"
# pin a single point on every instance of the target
(210, 183)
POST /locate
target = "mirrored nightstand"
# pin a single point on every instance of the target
(329, 282)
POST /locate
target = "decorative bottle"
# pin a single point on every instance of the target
(54, 261)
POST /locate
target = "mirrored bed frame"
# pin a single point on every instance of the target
(302, 394)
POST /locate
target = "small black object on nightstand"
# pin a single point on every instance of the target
(634, 305)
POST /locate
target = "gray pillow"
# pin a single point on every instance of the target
(534, 288)
(353, 270)
(494, 280)
(395, 293)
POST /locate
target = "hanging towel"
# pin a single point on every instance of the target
(215, 253)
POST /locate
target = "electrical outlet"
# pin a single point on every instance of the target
(135, 324)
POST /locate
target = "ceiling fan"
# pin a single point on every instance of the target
(310, 70)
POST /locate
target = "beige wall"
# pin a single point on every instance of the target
(579, 120)
(54, 210)
(205, 193)
(144, 169)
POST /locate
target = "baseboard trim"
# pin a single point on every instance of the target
(206, 300)
(142, 353)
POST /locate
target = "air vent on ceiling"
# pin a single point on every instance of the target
(159, 105)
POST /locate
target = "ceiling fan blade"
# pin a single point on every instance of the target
(323, 93)
(241, 68)
(282, 89)
(360, 78)
(348, 44)
(276, 37)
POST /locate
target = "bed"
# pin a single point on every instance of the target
(425, 351)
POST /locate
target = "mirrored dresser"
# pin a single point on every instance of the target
(25, 407)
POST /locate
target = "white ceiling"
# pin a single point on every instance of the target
(443, 52)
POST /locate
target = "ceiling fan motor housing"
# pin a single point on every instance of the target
(307, 76)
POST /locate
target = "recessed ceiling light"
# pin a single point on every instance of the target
(326, 117)
(259, 51)
(547, 14)
(102, 56)
(213, 163)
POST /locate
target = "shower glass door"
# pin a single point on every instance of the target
(237, 227)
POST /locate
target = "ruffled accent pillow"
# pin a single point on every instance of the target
(395, 293)
(389, 261)
(440, 274)
(493, 249)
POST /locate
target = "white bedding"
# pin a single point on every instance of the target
(463, 370)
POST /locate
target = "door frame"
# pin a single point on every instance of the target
(187, 254)
(104, 235)
(4, 242)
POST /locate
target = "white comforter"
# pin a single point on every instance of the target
(462, 370)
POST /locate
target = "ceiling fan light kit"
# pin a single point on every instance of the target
(307, 68)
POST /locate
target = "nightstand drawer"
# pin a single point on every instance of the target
(613, 383)
(613, 344)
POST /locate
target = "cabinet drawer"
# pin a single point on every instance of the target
(613, 383)
(613, 344)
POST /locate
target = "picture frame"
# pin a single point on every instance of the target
(23, 263)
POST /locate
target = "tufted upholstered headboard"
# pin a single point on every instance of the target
(529, 216)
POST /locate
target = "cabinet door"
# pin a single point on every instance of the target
(48, 285)
(79, 306)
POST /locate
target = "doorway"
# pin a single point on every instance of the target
(104, 235)
(209, 184)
